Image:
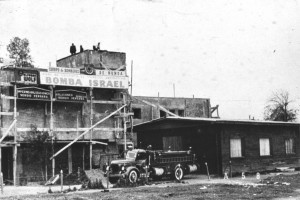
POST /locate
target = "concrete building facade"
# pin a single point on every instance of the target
(64, 102)
(146, 108)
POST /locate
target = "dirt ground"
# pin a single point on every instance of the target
(270, 186)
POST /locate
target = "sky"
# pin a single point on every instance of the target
(237, 53)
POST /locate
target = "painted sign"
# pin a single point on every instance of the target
(110, 73)
(77, 80)
(64, 70)
(27, 77)
(70, 95)
(34, 93)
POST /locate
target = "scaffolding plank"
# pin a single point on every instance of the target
(7, 113)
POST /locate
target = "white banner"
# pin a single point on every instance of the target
(76, 80)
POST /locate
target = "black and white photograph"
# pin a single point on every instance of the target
(150, 99)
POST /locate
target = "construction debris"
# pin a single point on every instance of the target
(285, 169)
(97, 179)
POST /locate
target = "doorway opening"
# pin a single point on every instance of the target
(7, 165)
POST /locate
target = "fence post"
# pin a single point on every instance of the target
(107, 179)
(61, 180)
(207, 171)
(230, 169)
(78, 173)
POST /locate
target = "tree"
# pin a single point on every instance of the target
(19, 51)
(278, 108)
(39, 146)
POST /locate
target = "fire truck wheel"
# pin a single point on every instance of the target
(132, 176)
(178, 173)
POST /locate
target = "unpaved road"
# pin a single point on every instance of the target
(278, 187)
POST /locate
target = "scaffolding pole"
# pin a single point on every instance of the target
(51, 129)
(91, 133)
(85, 132)
(124, 120)
(15, 137)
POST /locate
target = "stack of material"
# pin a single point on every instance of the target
(97, 179)
(285, 169)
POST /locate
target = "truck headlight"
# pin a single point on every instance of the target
(107, 168)
(123, 168)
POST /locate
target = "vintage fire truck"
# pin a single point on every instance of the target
(154, 164)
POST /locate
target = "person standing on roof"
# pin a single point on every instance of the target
(98, 46)
(72, 49)
(81, 48)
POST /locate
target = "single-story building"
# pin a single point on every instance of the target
(239, 145)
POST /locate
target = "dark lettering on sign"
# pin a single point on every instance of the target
(33, 93)
(70, 95)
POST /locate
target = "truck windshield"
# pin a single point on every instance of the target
(130, 155)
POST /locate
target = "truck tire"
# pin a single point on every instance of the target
(178, 173)
(132, 176)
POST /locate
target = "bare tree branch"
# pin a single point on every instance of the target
(278, 107)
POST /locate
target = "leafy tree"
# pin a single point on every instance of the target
(278, 108)
(19, 51)
(39, 145)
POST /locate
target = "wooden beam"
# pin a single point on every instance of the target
(96, 142)
(9, 145)
(88, 101)
(85, 132)
(7, 131)
(7, 97)
(7, 113)
(5, 84)
(122, 115)
(67, 129)
(104, 102)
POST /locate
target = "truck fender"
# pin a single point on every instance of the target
(178, 165)
(128, 169)
(183, 167)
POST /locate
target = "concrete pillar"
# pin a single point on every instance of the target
(70, 166)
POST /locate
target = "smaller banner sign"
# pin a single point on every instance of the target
(64, 70)
(33, 93)
(26, 77)
(70, 95)
(110, 73)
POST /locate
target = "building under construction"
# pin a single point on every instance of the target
(72, 116)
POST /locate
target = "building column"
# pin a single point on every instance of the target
(70, 166)
(91, 132)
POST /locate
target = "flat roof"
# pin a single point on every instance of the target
(101, 51)
(189, 121)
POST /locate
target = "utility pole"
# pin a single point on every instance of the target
(124, 120)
